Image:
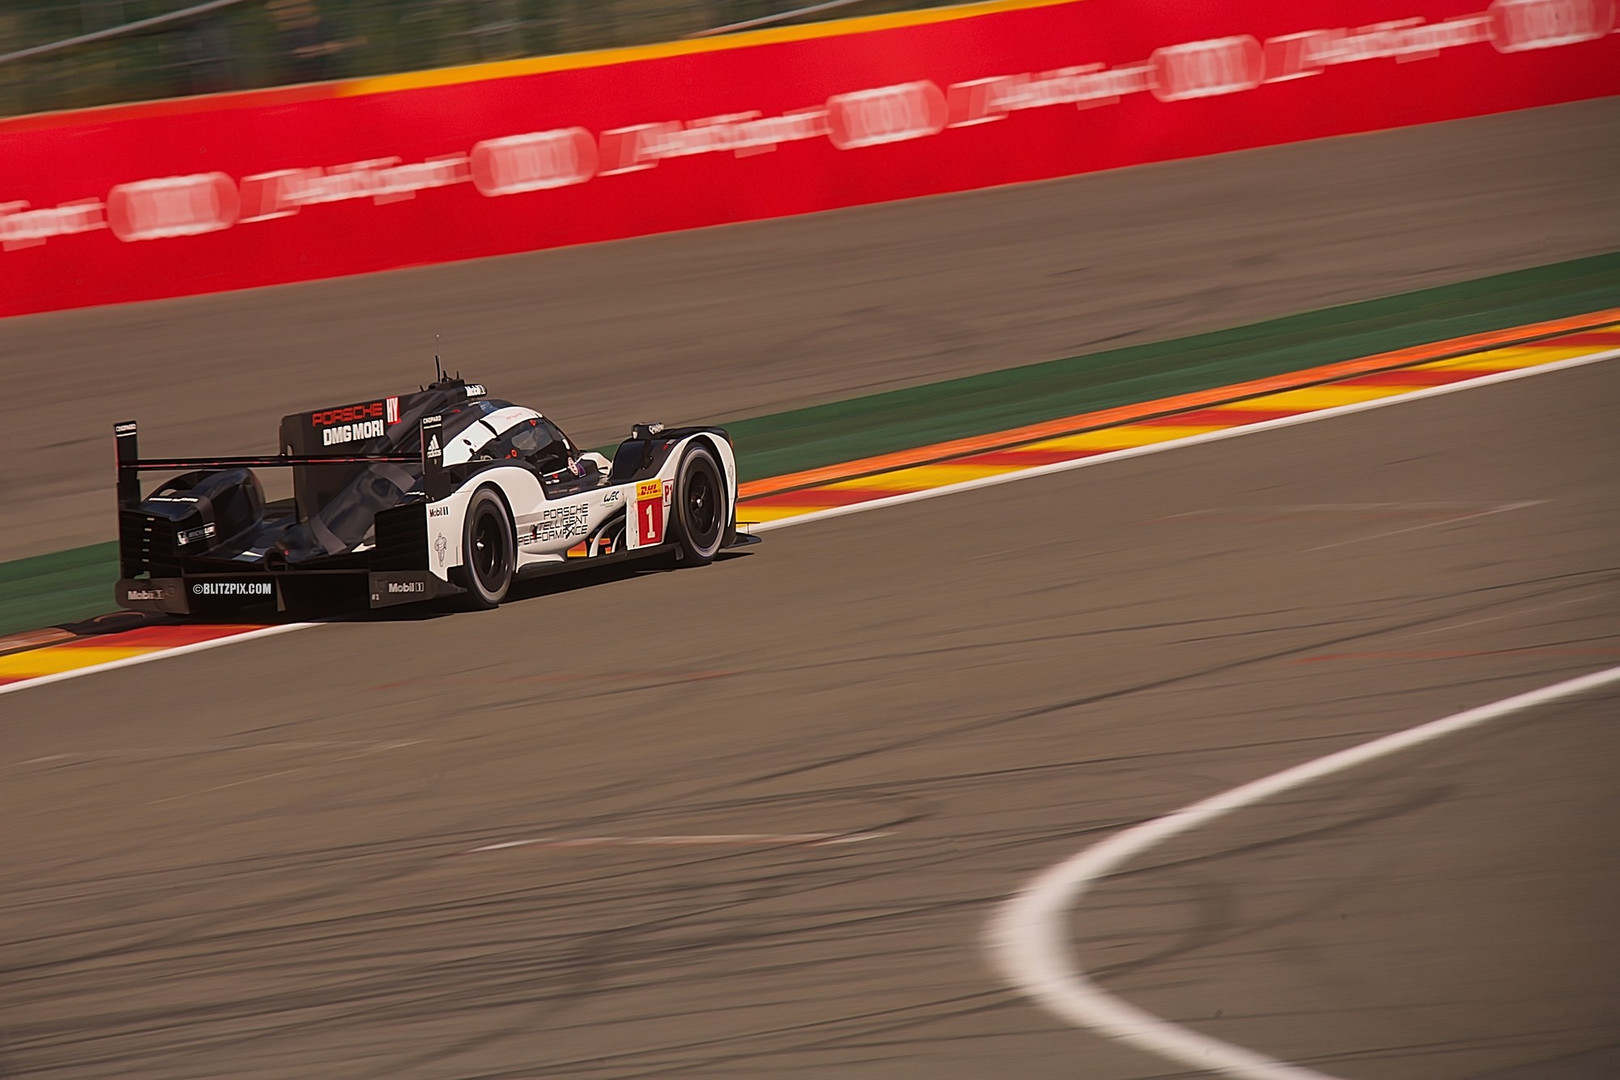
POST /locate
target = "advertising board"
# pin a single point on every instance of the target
(233, 191)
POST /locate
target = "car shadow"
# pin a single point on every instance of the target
(528, 589)
(339, 610)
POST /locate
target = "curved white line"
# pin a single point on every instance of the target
(1028, 938)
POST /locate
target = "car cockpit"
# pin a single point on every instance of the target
(536, 441)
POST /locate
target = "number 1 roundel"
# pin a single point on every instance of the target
(649, 513)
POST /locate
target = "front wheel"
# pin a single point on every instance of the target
(487, 547)
(699, 507)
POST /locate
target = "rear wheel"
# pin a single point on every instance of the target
(487, 547)
(699, 507)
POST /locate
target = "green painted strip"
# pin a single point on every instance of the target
(980, 404)
(71, 585)
(62, 587)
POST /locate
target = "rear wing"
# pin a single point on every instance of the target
(131, 464)
(338, 432)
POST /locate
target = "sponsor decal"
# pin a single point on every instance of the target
(669, 492)
(558, 523)
(886, 114)
(982, 101)
(125, 428)
(191, 536)
(348, 414)
(1517, 25)
(432, 451)
(1296, 56)
(438, 511)
(406, 586)
(283, 192)
(1200, 69)
(849, 115)
(21, 227)
(232, 588)
(172, 206)
(649, 513)
(883, 114)
(476, 390)
(347, 433)
(354, 423)
(641, 146)
(441, 547)
(151, 591)
(533, 162)
(174, 498)
(610, 498)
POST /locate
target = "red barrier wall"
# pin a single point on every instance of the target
(209, 194)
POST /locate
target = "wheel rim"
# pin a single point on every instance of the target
(702, 507)
(489, 551)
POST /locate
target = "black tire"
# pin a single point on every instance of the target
(699, 508)
(487, 551)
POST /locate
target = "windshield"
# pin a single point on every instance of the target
(535, 440)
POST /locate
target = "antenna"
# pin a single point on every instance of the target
(438, 372)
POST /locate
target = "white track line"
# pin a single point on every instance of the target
(821, 839)
(1029, 935)
(1191, 440)
(1504, 508)
(157, 654)
(949, 489)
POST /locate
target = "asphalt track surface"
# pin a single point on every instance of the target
(263, 861)
(752, 319)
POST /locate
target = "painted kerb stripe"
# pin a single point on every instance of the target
(1212, 414)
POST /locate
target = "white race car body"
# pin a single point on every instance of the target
(555, 527)
(444, 492)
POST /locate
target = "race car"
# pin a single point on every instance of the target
(442, 493)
